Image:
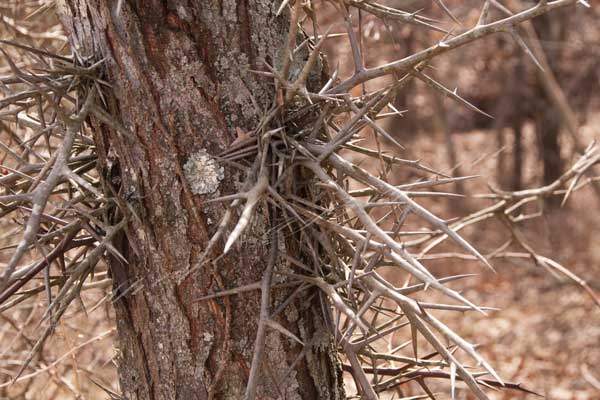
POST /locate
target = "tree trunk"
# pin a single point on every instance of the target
(180, 78)
(548, 119)
(517, 173)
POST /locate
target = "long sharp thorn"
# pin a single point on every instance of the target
(525, 48)
(443, 6)
(252, 199)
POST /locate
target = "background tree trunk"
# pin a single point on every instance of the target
(547, 117)
(179, 73)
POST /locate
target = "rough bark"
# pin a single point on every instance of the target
(179, 73)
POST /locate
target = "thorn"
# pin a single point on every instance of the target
(584, 3)
(453, 379)
(525, 48)
(252, 198)
(119, 6)
(282, 6)
(453, 94)
(281, 329)
(443, 6)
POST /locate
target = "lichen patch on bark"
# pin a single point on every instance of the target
(203, 173)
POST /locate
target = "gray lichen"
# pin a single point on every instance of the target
(203, 173)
